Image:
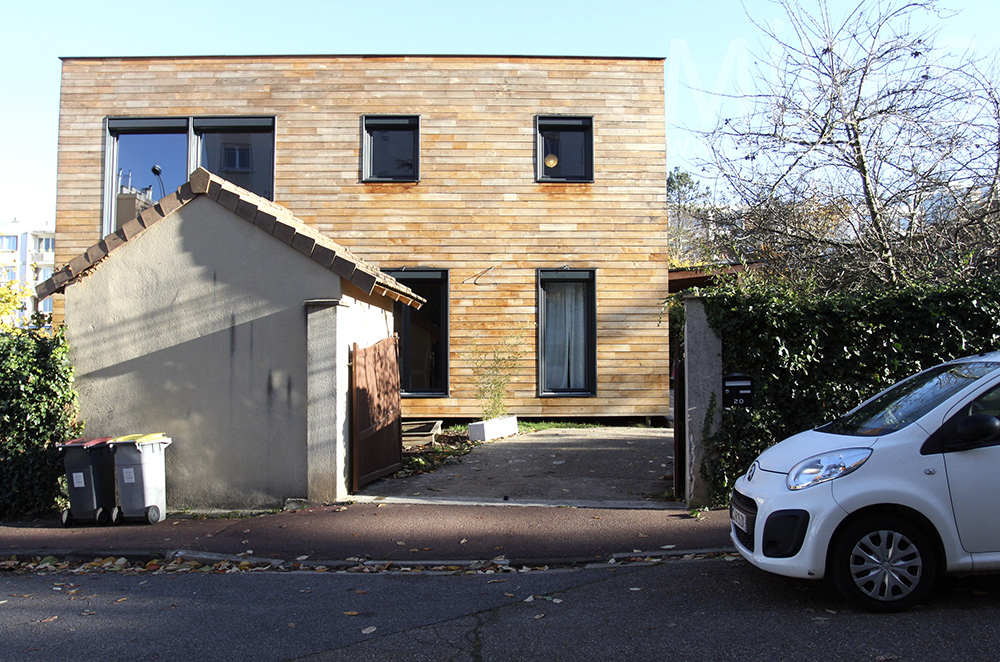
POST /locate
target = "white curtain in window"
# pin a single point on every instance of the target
(565, 341)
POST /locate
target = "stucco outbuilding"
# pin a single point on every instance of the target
(219, 319)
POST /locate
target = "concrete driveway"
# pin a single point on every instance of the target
(608, 467)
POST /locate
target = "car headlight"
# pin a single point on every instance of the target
(821, 468)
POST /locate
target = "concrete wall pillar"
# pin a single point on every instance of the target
(327, 417)
(702, 380)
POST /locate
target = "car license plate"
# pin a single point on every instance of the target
(739, 519)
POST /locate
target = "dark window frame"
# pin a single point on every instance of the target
(545, 125)
(563, 275)
(403, 318)
(370, 124)
(193, 127)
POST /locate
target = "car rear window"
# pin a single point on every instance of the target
(905, 402)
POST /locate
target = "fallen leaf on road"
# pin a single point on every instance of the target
(350, 613)
(369, 630)
(49, 619)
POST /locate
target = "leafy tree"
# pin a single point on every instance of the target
(867, 156)
(12, 295)
(686, 200)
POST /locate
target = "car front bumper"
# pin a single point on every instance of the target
(783, 531)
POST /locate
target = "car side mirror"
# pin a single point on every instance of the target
(975, 430)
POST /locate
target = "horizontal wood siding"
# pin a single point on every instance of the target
(477, 204)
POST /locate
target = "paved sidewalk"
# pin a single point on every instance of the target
(548, 498)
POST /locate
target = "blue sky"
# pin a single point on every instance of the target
(702, 41)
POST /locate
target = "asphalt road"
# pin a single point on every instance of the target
(714, 609)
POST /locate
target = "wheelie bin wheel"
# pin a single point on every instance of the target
(153, 514)
(66, 518)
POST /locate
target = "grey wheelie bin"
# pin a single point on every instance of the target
(139, 464)
(90, 478)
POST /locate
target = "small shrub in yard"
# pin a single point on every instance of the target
(38, 410)
(449, 446)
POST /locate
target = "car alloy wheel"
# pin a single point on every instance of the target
(883, 564)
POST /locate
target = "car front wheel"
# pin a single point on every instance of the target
(882, 564)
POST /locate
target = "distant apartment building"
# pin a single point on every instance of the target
(27, 256)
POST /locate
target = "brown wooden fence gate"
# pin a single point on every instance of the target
(377, 439)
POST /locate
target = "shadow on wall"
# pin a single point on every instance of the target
(235, 410)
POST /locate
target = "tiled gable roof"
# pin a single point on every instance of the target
(266, 215)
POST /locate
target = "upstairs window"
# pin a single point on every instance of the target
(148, 158)
(8, 242)
(45, 244)
(564, 150)
(390, 148)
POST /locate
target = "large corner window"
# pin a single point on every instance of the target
(147, 158)
(564, 148)
(423, 334)
(567, 332)
(390, 149)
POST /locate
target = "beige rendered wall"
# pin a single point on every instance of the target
(197, 328)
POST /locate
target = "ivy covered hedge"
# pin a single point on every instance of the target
(815, 357)
(38, 409)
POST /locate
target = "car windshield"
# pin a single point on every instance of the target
(910, 399)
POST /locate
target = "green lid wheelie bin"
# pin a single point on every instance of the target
(90, 479)
(139, 464)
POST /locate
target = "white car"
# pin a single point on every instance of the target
(887, 497)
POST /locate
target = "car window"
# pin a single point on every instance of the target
(910, 399)
(987, 403)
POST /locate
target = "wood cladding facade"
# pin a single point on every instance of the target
(477, 210)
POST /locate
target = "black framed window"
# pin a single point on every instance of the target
(564, 150)
(567, 332)
(391, 148)
(423, 334)
(148, 158)
(239, 149)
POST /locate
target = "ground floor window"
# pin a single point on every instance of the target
(423, 334)
(567, 336)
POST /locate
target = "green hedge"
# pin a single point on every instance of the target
(813, 358)
(38, 409)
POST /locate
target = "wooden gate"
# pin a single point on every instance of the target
(377, 439)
